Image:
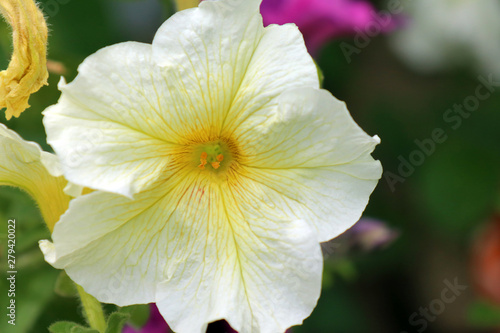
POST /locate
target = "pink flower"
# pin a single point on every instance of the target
(323, 20)
(155, 324)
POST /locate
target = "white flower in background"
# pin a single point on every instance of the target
(442, 34)
(222, 165)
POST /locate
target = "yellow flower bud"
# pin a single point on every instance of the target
(27, 71)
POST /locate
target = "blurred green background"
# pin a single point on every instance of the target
(438, 209)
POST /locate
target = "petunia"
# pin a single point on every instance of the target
(220, 165)
(27, 71)
(443, 34)
(321, 21)
(24, 165)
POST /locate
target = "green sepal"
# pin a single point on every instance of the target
(69, 327)
(116, 321)
(139, 314)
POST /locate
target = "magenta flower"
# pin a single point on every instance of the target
(323, 20)
(155, 324)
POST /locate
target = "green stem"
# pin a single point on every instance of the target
(92, 310)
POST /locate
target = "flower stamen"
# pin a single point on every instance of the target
(202, 164)
(211, 155)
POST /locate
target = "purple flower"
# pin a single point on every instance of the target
(323, 20)
(371, 234)
(155, 324)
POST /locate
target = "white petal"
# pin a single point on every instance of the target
(279, 63)
(230, 66)
(109, 128)
(51, 163)
(248, 263)
(73, 190)
(201, 250)
(117, 124)
(109, 244)
(312, 153)
(49, 251)
(23, 164)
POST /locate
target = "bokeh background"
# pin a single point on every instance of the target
(440, 200)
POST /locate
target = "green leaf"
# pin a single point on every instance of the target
(116, 321)
(69, 327)
(65, 287)
(484, 314)
(139, 314)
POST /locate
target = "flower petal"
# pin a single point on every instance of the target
(311, 152)
(23, 164)
(111, 250)
(110, 127)
(248, 263)
(267, 77)
(202, 250)
(119, 122)
(221, 57)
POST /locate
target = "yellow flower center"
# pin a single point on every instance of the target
(211, 155)
(216, 160)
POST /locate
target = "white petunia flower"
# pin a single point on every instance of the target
(441, 34)
(221, 166)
